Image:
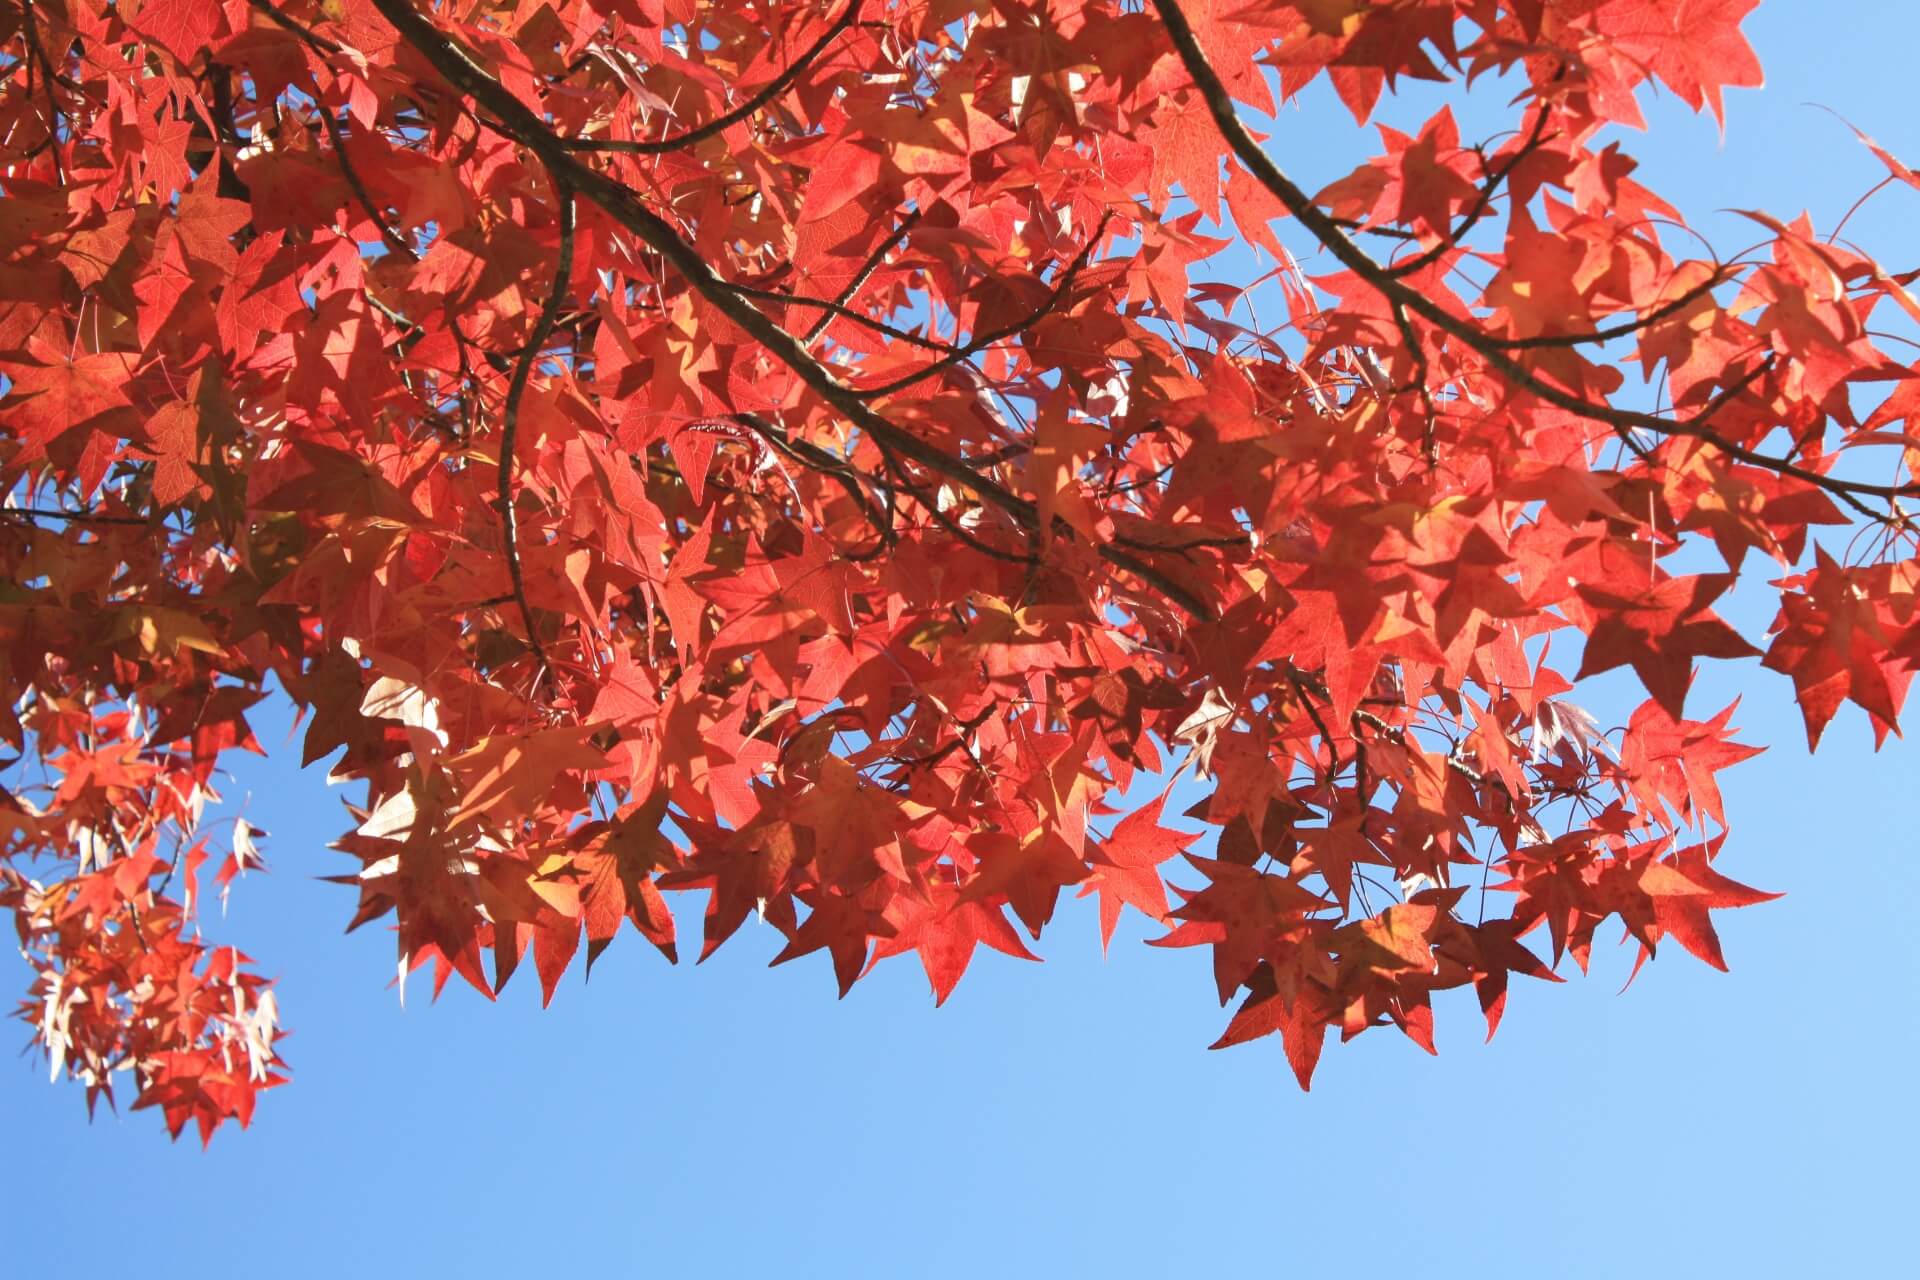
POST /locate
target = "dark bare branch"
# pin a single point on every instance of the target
(73, 517)
(1625, 328)
(1488, 190)
(813, 457)
(394, 240)
(510, 417)
(517, 121)
(981, 341)
(305, 34)
(49, 76)
(1323, 228)
(720, 124)
(839, 309)
(954, 527)
(861, 276)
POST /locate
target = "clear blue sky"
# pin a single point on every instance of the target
(1065, 1118)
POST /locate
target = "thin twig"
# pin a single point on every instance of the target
(510, 418)
(720, 124)
(1396, 734)
(393, 238)
(1328, 233)
(517, 121)
(817, 459)
(861, 276)
(1622, 330)
(981, 341)
(306, 34)
(1422, 374)
(75, 517)
(1488, 189)
(133, 908)
(48, 75)
(932, 507)
(841, 310)
(1294, 677)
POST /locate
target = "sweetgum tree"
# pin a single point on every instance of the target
(802, 453)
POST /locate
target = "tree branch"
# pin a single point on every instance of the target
(1621, 330)
(305, 34)
(48, 75)
(947, 522)
(510, 418)
(74, 517)
(517, 121)
(861, 276)
(1396, 734)
(1488, 189)
(838, 309)
(1348, 254)
(980, 341)
(814, 458)
(720, 124)
(393, 238)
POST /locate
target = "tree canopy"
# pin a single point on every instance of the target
(858, 461)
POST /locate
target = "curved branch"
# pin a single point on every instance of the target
(814, 458)
(1488, 189)
(1350, 255)
(393, 238)
(947, 522)
(980, 341)
(861, 276)
(1621, 330)
(517, 121)
(299, 30)
(842, 310)
(48, 75)
(1422, 374)
(510, 417)
(720, 124)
